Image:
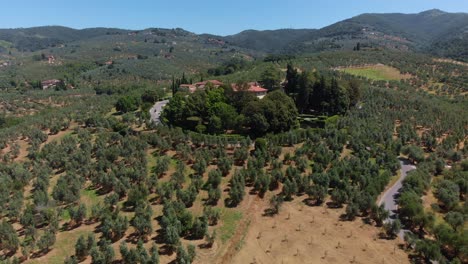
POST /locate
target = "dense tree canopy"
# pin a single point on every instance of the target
(213, 111)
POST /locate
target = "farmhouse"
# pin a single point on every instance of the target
(50, 83)
(50, 59)
(199, 85)
(188, 88)
(252, 87)
(215, 83)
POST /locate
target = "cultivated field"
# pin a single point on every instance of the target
(378, 72)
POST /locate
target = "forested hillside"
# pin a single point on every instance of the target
(95, 56)
(432, 31)
(270, 41)
(37, 38)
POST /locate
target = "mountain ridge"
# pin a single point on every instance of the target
(104, 53)
(63, 33)
(418, 32)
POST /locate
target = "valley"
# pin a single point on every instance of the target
(343, 144)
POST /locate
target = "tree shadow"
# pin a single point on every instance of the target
(253, 192)
(367, 220)
(69, 226)
(40, 253)
(159, 237)
(166, 250)
(133, 238)
(9, 254)
(269, 212)
(345, 217)
(229, 203)
(312, 202)
(334, 205)
(205, 245)
(385, 236)
(155, 200)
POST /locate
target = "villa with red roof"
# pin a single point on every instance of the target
(252, 87)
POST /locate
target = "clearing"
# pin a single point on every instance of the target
(378, 72)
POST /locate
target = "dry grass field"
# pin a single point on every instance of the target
(303, 234)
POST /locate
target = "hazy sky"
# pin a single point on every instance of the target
(221, 17)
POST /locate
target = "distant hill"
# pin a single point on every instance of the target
(113, 55)
(270, 41)
(37, 38)
(432, 31)
(110, 55)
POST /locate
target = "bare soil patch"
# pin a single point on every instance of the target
(302, 234)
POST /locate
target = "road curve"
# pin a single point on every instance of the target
(390, 196)
(156, 110)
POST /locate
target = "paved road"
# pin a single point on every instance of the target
(390, 196)
(156, 110)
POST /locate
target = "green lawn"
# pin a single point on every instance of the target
(377, 72)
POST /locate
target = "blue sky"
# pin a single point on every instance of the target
(221, 17)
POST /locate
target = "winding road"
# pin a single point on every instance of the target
(390, 196)
(156, 110)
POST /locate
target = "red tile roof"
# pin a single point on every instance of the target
(254, 87)
(257, 89)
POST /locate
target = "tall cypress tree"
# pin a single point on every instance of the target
(173, 86)
(304, 92)
(292, 79)
(183, 80)
(318, 95)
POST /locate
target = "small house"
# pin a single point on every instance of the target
(188, 88)
(50, 83)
